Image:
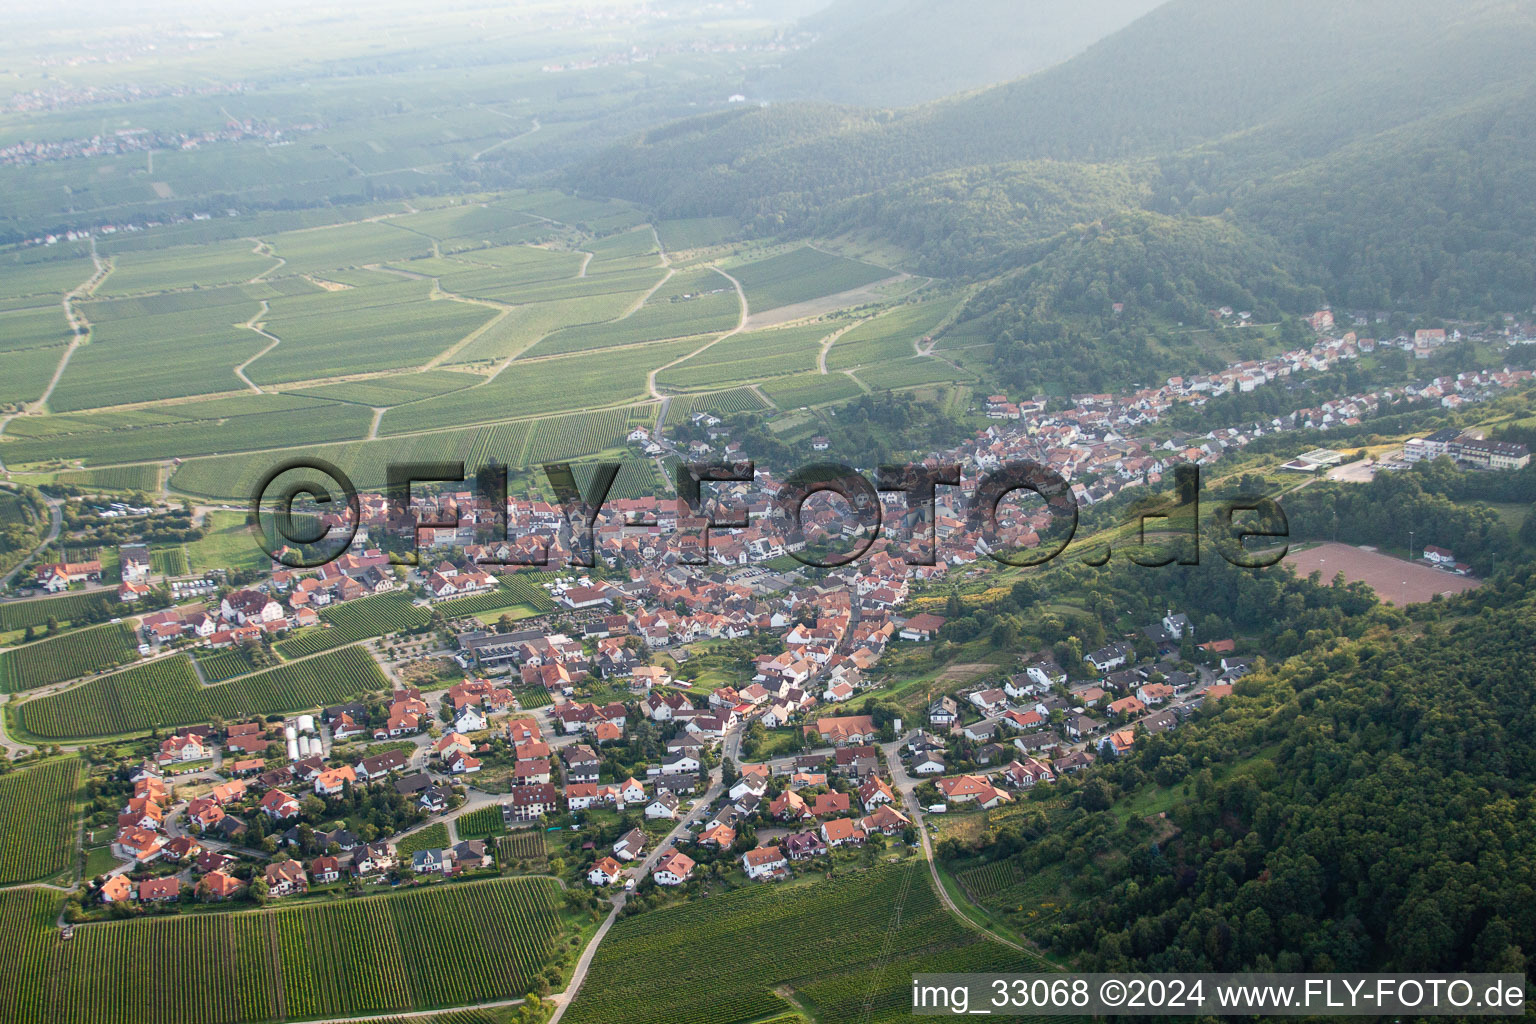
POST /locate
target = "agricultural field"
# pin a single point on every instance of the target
(689, 304)
(170, 562)
(810, 389)
(229, 542)
(64, 609)
(888, 336)
(166, 693)
(365, 462)
(750, 356)
(432, 837)
(165, 346)
(144, 478)
(525, 325)
(470, 226)
(346, 245)
(720, 403)
(235, 423)
(481, 823)
(980, 883)
(696, 232)
(217, 666)
(362, 619)
(560, 384)
(596, 215)
(393, 390)
(389, 325)
(24, 374)
(182, 267)
(504, 443)
(377, 954)
(34, 328)
(910, 372)
(47, 279)
(741, 945)
(569, 437)
(800, 275)
(490, 605)
(524, 846)
(39, 813)
(68, 656)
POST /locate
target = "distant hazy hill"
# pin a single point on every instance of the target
(1388, 143)
(879, 53)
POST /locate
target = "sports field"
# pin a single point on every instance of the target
(1394, 580)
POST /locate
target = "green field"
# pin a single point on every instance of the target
(432, 837)
(65, 609)
(720, 403)
(875, 926)
(166, 694)
(750, 356)
(217, 666)
(237, 423)
(688, 304)
(229, 542)
(204, 266)
(144, 478)
(481, 824)
(346, 245)
(66, 657)
(589, 380)
(910, 372)
(164, 346)
(696, 232)
(516, 591)
(810, 389)
(891, 335)
(384, 326)
(39, 813)
(393, 390)
(377, 954)
(526, 845)
(362, 619)
(34, 328)
(25, 374)
(800, 275)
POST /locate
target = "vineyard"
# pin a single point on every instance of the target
(362, 619)
(66, 657)
(982, 882)
(440, 946)
(170, 562)
(166, 694)
(117, 478)
(69, 608)
(481, 823)
(526, 847)
(37, 820)
(516, 589)
(722, 958)
(217, 666)
(433, 837)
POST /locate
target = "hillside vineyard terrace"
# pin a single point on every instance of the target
(276, 512)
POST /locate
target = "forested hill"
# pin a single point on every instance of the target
(1386, 144)
(1368, 805)
(896, 53)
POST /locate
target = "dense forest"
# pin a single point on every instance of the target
(1379, 152)
(1365, 805)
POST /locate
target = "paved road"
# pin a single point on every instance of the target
(54, 506)
(716, 787)
(907, 787)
